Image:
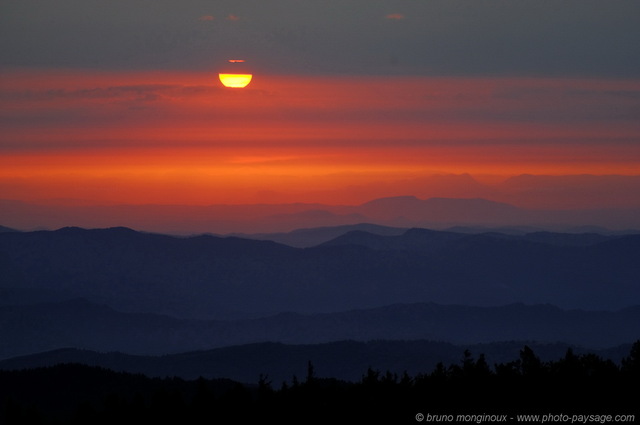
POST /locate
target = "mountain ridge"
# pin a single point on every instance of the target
(73, 323)
(206, 276)
(395, 211)
(345, 360)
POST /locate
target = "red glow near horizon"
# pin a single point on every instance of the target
(178, 138)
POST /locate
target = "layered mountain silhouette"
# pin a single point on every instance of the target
(34, 328)
(344, 360)
(206, 277)
(308, 237)
(344, 298)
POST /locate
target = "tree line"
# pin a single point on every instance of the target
(79, 394)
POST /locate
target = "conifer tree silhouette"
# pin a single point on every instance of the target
(530, 364)
(631, 363)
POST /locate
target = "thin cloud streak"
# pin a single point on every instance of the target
(307, 111)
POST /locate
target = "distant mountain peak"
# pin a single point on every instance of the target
(434, 199)
(474, 201)
(70, 229)
(390, 199)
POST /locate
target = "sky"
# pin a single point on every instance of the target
(120, 102)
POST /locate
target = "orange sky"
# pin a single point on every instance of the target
(156, 137)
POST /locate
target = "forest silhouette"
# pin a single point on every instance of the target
(80, 394)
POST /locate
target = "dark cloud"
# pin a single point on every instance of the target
(445, 37)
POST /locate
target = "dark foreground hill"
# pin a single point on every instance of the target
(470, 390)
(78, 323)
(214, 277)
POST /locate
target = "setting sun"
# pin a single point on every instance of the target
(235, 74)
(235, 80)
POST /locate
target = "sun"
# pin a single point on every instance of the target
(235, 74)
(235, 80)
